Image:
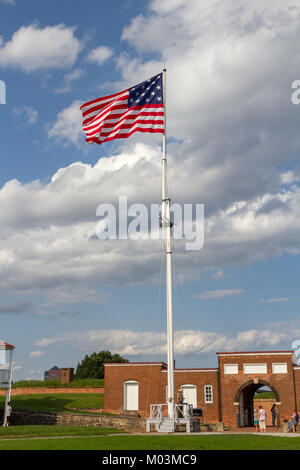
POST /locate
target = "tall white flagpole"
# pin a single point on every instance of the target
(167, 233)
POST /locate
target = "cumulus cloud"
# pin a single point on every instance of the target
(48, 231)
(275, 300)
(33, 48)
(218, 294)
(69, 78)
(235, 119)
(218, 275)
(67, 127)
(77, 294)
(36, 354)
(28, 114)
(131, 343)
(100, 55)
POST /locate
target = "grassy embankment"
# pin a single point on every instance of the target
(56, 383)
(59, 402)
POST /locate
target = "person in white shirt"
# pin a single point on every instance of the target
(8, 414)
(262, 418)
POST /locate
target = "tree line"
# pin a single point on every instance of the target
(92, 367)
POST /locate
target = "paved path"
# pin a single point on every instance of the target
(211, 433)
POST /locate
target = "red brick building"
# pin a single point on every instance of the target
(224, 393)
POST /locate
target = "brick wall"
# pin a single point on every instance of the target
(297, 386)
(200, 378)
(152, 380)
(76, 419)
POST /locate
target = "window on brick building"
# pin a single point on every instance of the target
(208, 394)
(279, 368)
(231, 369)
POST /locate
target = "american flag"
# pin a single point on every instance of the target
(117, 116)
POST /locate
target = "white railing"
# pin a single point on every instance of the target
(185, 410)
(160, 411)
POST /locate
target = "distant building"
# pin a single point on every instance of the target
(66, 375)
(52, 374)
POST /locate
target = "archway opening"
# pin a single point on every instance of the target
(250, 396)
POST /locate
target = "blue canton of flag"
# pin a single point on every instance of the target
(148, 92)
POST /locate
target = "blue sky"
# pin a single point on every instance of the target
(234, 142)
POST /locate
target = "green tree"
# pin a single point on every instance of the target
(91, 367)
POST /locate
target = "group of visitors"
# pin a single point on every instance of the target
(259, 417)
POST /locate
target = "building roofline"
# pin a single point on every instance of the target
(135, 364)
(4, 346)
(231, 353)
(207, 369)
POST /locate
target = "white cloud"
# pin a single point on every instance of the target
(289, 177)
(47, 231)
(275, 300)
(218, 294)
(67, 127)
(235, 120)
(77, 294)
(69, 78)
(100, 55)
(130, 343)
(36, 354)
(218, 275)
(27, 113)
(32, 48)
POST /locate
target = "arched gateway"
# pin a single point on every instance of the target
(245, 398)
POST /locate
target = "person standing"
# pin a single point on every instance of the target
(274, 414)
(180, 403)
(255, 419)
(8, 414)
(262, 418)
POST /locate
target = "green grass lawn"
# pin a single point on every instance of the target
(56, 383)
(213, 442)
(56, 402)
(53, 431)
(264, 396)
